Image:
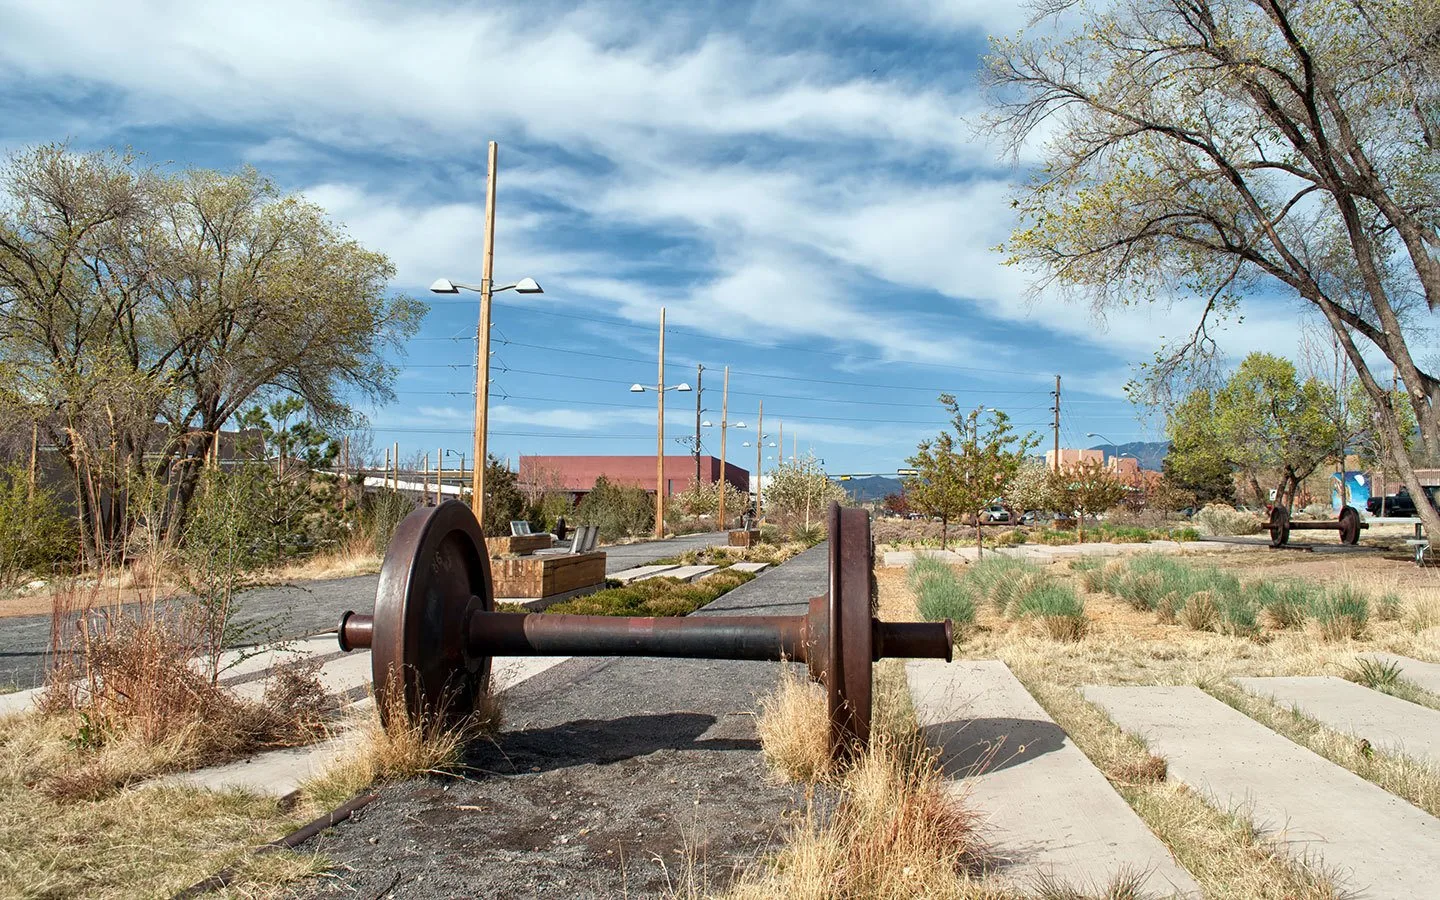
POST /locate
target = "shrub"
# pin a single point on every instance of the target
(34, 537)
(1342, 612)
(1217, 518)
(809, 535)
(619, 512)
(654, 596)
(380, 514)
(1200, 611)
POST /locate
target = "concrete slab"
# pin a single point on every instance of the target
(1386, 722)
(1376, 844)
(683, 573)
(19, 701)
(1425, 674)
(640, 572)
(1048, 810)
(242, 664)
(754, 568)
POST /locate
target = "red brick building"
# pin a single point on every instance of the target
(577, 474)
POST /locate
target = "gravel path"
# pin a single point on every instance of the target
(611, 775)
(296, 610)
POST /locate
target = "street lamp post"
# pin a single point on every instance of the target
(1114, 447)
(660, 390)
(724, 426)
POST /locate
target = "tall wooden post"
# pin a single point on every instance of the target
(395, 462)
(387, 468)
(439, 475)
(1057, 423)
(660, 437)
(425, 483)
(482, 363)
(724, 423)
(699, 392)
(759, 458)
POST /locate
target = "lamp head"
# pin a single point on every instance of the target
(1091, 434)
(682, 387)
(528, 286)
(707, 424)
(444, 286)
(637, 388)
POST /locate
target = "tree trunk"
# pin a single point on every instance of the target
(944, 530)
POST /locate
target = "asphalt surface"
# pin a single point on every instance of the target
(295, 610)
(611, 777)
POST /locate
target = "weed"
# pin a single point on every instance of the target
(1373, 673)
(794, 728)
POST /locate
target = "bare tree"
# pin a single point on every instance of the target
(1210, 148)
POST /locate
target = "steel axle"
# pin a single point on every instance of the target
(434, 625)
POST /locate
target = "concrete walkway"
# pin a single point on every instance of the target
(1376, 844)
(1048, 812)
(1388, 723)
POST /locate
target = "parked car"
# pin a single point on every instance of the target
(1400, 503)
(995, 515)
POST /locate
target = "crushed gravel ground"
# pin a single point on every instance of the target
(613, 778)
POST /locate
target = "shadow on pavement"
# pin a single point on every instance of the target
(595, 741)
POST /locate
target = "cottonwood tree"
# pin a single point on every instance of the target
(1214, 148)
(1084, 488)
(1262, 421)
(800, 489)
(140, 310)
(962, 473)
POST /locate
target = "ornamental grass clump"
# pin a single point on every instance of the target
(1341, 612)
(1285, 604)
(942, 595)
(993, 576)
(1200, 612)
(1058, 609)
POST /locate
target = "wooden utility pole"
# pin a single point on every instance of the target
(34, 457)
(387, 468)
(699, 391)
(759, 461)
(425, 479)
(724, 416)
(395, 462)
(660, 437)
(482, 343)
(1057, 423)
(439, 475)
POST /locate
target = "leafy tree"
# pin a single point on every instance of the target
(1030, 488)
(1085, 488)
(504, 502)
(1262, 420)
(800, 489)
(961, 473)
(33, 536)
(897, 502)
(1218, 148)
(286, 439)
(704, 499)
(142, 310)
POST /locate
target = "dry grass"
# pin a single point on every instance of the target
(358, 557)
(408, 748)
(895, 829)
(1129, 646)
(148, 841)
(794, 728)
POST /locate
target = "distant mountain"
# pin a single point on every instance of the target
(1150, 453)
(872, 487)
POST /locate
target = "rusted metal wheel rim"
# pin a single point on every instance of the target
(1349, 525)
(1279, 526)
(848, 683)
(436, 573)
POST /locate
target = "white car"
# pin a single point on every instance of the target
(996, 515)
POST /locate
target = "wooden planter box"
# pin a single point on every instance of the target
(744, 538)
(538, 577)
(520, 543)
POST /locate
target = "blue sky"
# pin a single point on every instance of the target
(803, 185)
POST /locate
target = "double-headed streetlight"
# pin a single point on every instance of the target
(760, 446)
(482, 362)
(659, 388)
